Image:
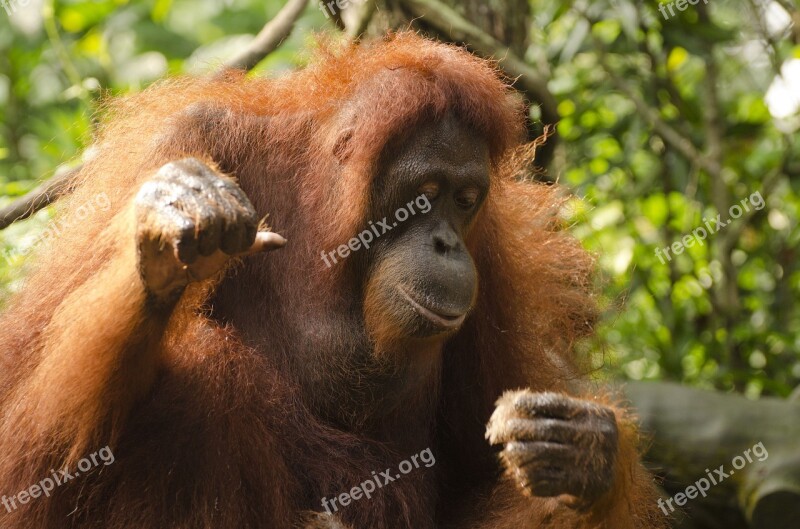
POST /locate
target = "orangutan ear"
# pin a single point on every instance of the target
(343, 148)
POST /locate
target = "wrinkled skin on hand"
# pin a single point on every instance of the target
(191, 220)
(556, 445)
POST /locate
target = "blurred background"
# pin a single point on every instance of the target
(668, 114)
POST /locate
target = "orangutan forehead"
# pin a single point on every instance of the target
(436, 149)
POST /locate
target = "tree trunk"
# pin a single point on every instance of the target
(694, 432)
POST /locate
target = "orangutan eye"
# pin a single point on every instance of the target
(467, 198)
(430, 189)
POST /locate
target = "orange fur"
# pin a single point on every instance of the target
(213, 411)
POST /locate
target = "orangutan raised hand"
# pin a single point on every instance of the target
(191, 220)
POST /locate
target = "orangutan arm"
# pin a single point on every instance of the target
(100, 350)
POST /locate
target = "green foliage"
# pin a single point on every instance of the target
(58, 62)
(677, 319)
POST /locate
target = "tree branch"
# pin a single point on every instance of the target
(42, 195)
(449, 22)
(267, 41)
(270, 37)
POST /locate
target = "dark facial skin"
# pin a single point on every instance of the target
(421, 270)
(419, 276)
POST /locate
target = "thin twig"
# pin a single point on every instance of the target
(270, 37)
(769, 43)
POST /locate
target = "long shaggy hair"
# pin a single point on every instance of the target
(209, 420)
